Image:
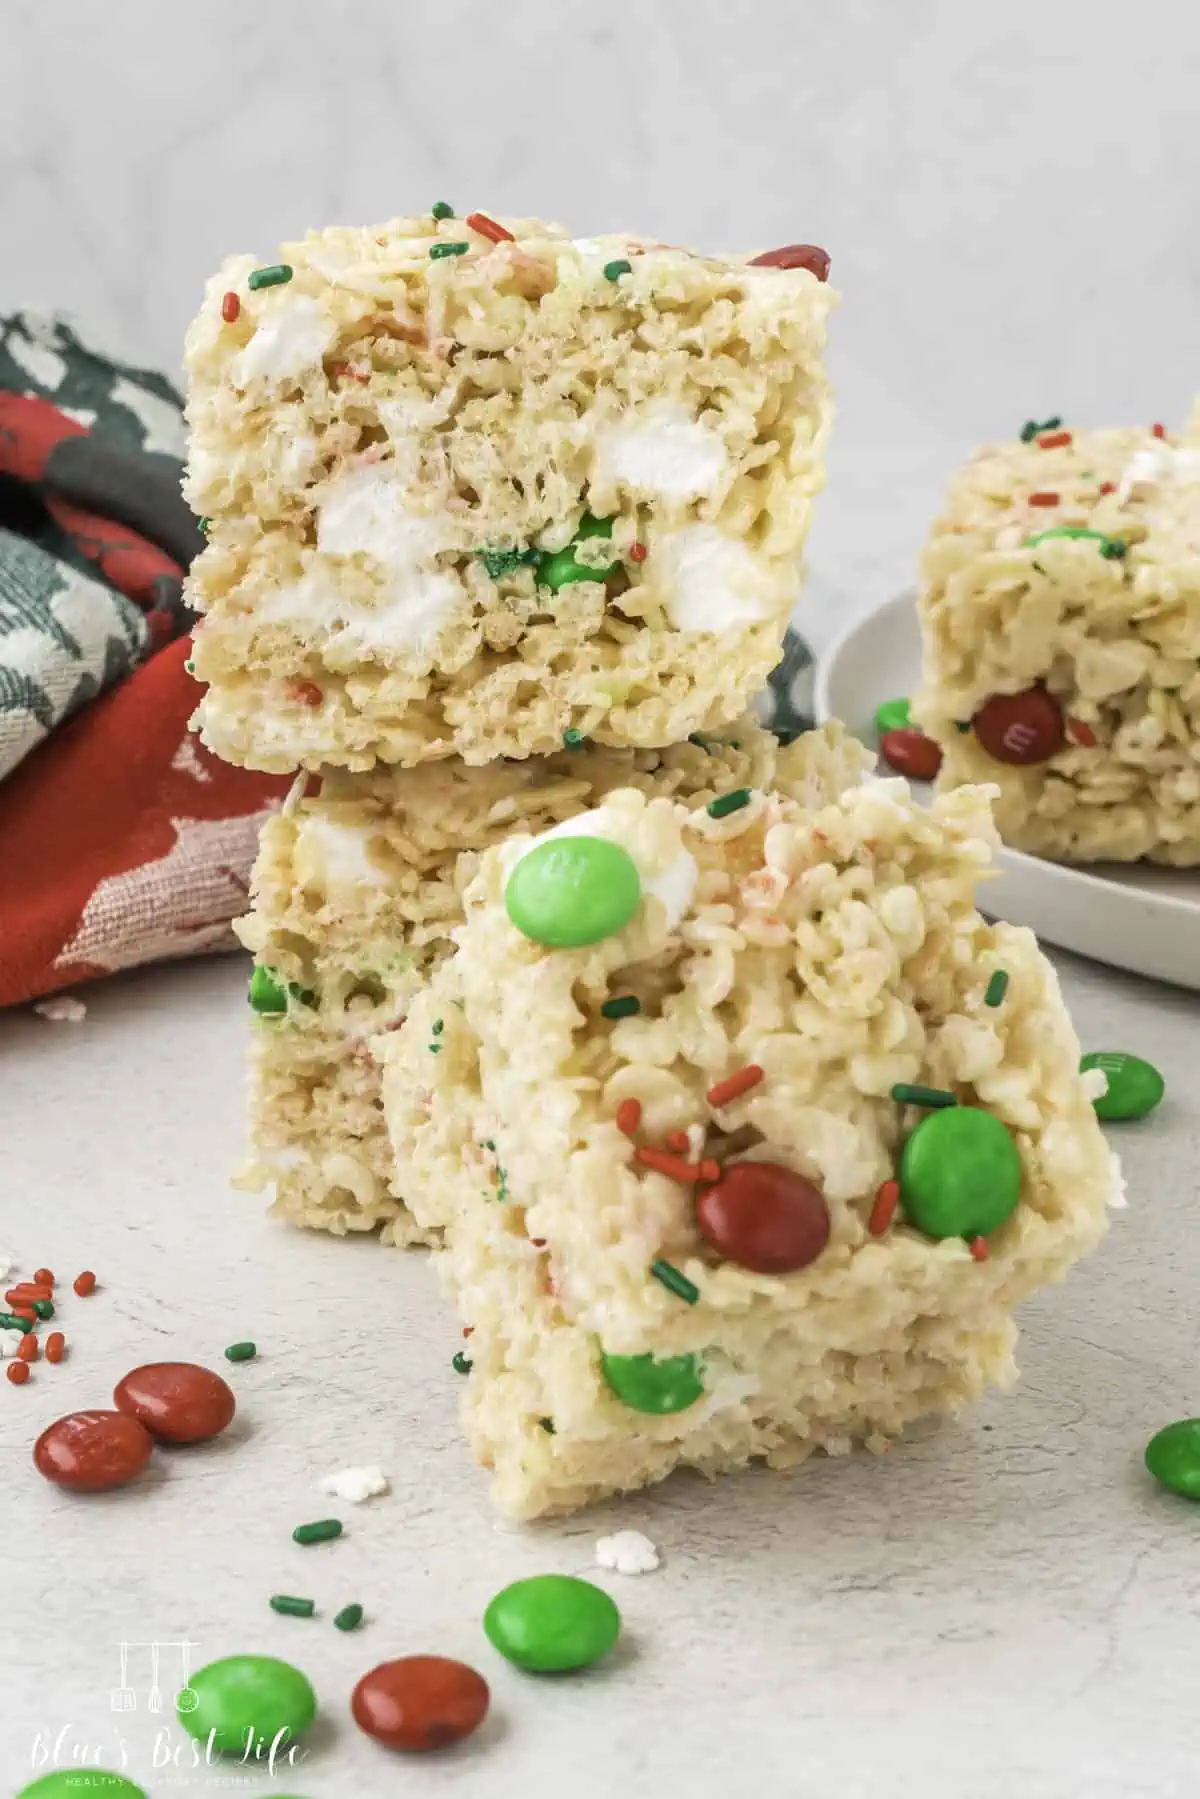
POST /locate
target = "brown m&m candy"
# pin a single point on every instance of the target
(1021, 728)
(93, 1452)
(764, 1217)
(178, 1402)
(420, 1702)
(795, 256)
(911, 753)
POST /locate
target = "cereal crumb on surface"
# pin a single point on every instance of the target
(62, 1008)
(355, 1485)
(627, 1552)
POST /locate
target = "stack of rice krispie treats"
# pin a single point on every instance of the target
(650, 1023)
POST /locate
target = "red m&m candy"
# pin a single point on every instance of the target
(764, 1217)
(93, 1452)
(178, 1402)
(1021, 728)
(911, 753)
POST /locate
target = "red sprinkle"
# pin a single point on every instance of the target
(479, 221)
(629, 1116)
(679, 1141)
(638, 552)
(43, 1277)
(1081, 733)
(56, 1345)
(1043, 499)
(1054, 440)
(884, 1209)
(1108, 487)
(25, 1294)
(28, 1348)
(795, 256)
(537, 1242)
(85, 1283)
(18, 1373)
(468, 1330)
(1158, 430)
(978, 1248)
(231, 306)
(307, 692)
(675, 1168)
(735, 1085)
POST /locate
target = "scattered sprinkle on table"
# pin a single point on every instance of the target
(627, 1005)
(349, 1618)
(356, 1485)
(735, 1085)
(56, 1346)
(274, 275)
(726, 803)
(906, 1095)
(675, 1281)
(1135, 1087)
(323, 1530)
(62, 1008)
(438, 251)
(291, 1607)
(18, 1372)
(241, 1352)
(997, 987)
(1173, 1457)
(552, 1623)
(84, 1284)
(618, 267)
(461, 1363)
(627, 1552)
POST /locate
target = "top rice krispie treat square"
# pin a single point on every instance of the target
(1060, 617)
(465, 495)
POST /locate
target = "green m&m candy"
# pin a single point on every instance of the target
(268, 995)
(960, 1174)
(81, 1783)
(1173, 1457)
(569, 891)
(552, 1623)
(1134, 1087)
(648, 1384)
(560, 568)
(892, 716)
(244, 1697)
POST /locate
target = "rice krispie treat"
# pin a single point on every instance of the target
(356, 891)
(1060, 614)
(745, 1133)
(470, 485)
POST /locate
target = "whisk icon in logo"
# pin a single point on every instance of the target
(124, 1698)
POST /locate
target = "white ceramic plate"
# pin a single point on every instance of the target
(1140, 918)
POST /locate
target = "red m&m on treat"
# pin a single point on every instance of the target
(764, 1217)
(1021, 728)
(795, 256)
(911, 753)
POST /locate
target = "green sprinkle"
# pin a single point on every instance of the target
(461, 1363)
(268, 995)
(44, 1308)
(435, 1049)
(323, 1531)
(728, 802)
(273, 276)
(614, 270)
(349, 1618)
(502, 562)
(292, 1607)
(701, 742)
(547, 1425)
(190, 666)
(904, 1095)
(1114, 549)
(623, 1007)
(961, 728)
(9, 1323)
(442, 209)
(572, 739)
(997, 987)
(241, 1352)
(1031, 429)
(674, 1281)
(438, 1026)
(1111, 548)
(203, 524)
(438, 251)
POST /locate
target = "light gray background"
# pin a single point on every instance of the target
(1008, 1609)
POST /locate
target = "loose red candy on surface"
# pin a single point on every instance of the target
(93, 1452)
(1021, 728)
(764, 1217)
(420, 1702)
(178, 1402)
(795, 256)
(911, 753)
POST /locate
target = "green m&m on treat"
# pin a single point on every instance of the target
(569, 891)
(81, 1783)
(1134, 1087)
(893, 715)
(552, 1623)
(268, 995)
(960, 1174)
(647, 1383)
(244, 1697)
(1173, 1457)
(560, 568)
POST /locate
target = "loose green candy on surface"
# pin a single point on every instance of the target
(560, 568)
(569, 891)
(1135, 1087)
(647, 1384)
(893, 715)
(552, 1623)
(960, 1174)
(81, 1783)
(1173, 1457)
(247, 1693)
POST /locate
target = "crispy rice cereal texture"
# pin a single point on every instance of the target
(839, 949)
(1114, 638)
(355, 894)
(397, 453)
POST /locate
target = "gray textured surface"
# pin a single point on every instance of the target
(1007, 1606)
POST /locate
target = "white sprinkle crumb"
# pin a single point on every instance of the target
(356, 1484)
(62, 1009)
(8, 1345)
(628, 1552)
(1094, 1082)
(1117, 1196)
